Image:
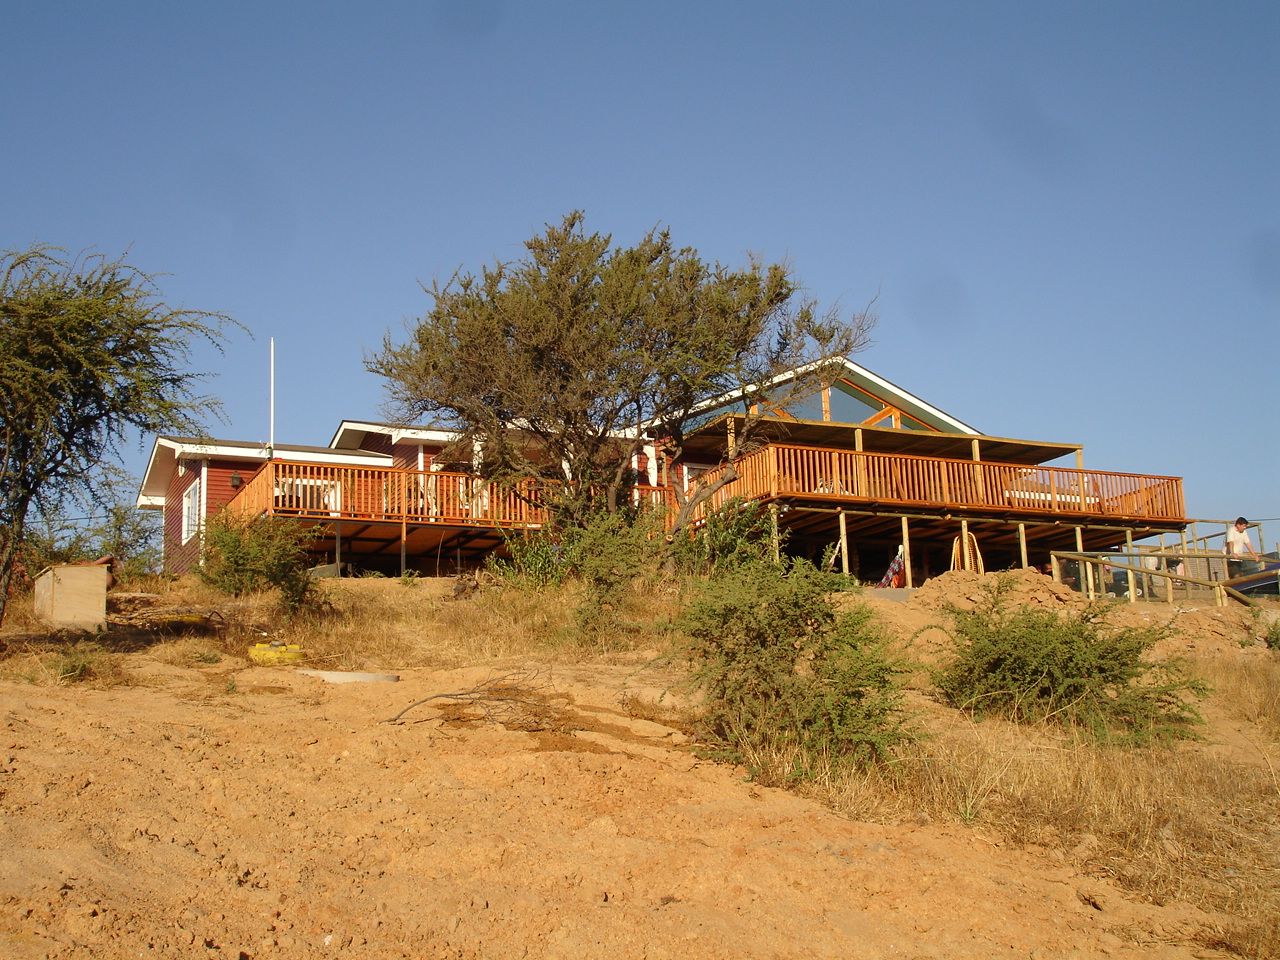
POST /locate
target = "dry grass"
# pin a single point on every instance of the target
(1248, 688)
(1179, 823)
(1166, 824)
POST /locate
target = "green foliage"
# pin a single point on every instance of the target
(1272, 636)
(409, 578)
(779, 667)
(243, 554)
(536, 559)
(611, 554)
(737, 534)
(1031, 665)
(88, 353)
(579, 342)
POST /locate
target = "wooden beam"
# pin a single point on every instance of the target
(844, 544)
(1086, 569)
(1133, 582)
(906, 552)
(1022, 543)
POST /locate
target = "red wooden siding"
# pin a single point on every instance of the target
(404, 456)
(179, 557)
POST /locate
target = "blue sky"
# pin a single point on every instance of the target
(1070, 212)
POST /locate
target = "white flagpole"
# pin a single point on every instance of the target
(271, 442)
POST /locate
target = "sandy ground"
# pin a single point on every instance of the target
(247, 812)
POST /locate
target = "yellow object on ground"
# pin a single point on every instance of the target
(275, 652)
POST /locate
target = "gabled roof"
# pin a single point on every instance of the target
(167, 451)
(350, 434)
(871, 383)
(708, 442)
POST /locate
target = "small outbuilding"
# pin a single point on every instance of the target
(73, 595)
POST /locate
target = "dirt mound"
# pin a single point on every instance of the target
(253, 813)
(963, 589)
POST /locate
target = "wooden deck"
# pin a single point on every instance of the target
(778, 472)
(848, 478)
(320, 492)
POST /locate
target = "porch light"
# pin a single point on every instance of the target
(236, 480)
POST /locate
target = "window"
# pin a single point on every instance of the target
(191, 511)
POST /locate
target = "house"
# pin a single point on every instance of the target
(863, 466)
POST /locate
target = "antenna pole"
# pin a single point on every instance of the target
(271, 412)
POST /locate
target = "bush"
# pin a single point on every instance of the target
(536, 559)
(243, 554)
(737, 534)
(785, 675)
(1030, 665)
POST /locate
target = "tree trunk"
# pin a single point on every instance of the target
(9, 553)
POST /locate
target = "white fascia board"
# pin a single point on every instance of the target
(909, 398)
(146, 474)
(364, 458)
(421, 435)
(145, 502)
(397, 434)
(857, 371)
(204, 450)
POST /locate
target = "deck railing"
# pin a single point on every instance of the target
(321, 492)
(781, 470)
(778, 471)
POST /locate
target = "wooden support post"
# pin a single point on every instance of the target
(964, 544)
(1133, 581)
(826, 404)
(337, 546)
(1086, 569)
(861, 478)
(1186, 564)
(732, 438)
(844, 544)
(1056, 564)
(1022, 543)
(906, 553)
(403, 537)
(1080, 477)
(979, 485)
(776, 537)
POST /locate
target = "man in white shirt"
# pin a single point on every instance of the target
(1239, 546)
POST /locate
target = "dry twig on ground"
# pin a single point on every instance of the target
(515, 700)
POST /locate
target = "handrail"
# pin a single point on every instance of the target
(328, 492)
(1220, 590)
(784, 470)
(777, 471)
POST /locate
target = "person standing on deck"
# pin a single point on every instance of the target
(1238, 547)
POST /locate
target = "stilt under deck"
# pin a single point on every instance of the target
(439, 521)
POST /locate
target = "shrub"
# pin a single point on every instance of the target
(738, 533)
(242, 554)
(1031, 665)
(536, 559)
(784, 675)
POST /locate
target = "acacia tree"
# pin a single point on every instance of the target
(88, 352)
(589, 348)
